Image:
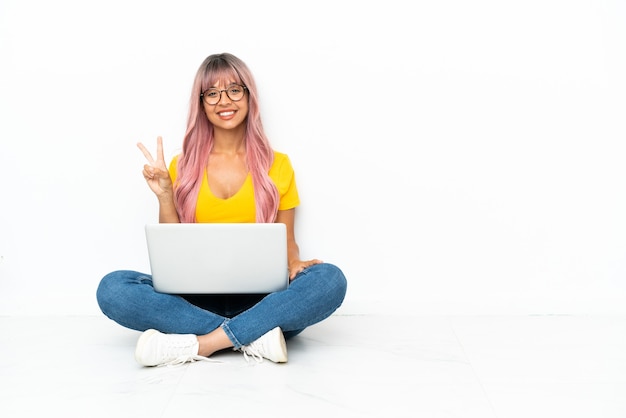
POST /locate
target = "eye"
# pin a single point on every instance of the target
(211, 93)
(234, 90)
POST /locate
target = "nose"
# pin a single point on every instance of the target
(223, 93)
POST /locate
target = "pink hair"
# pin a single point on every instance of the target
(198, 141)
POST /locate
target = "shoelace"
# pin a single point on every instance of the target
(251, 351)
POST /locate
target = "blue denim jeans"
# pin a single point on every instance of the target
(128, 298)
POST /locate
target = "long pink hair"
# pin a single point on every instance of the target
(199, 139)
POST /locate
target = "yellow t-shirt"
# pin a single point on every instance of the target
(240, 207)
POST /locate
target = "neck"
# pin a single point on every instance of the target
(229, 142)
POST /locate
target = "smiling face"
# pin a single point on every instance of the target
(227, 114)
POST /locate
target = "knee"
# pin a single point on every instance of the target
(105, 290)
(335, 280)
(110, 288)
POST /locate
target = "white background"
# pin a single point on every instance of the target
(452, 156)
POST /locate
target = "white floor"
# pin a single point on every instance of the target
(346, 366)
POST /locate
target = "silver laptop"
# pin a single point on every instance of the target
(212, 258)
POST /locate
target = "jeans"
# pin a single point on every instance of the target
(128, 298)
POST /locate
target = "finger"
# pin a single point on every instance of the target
(293, 272)
(313, 262)
(160, 156)
(145, 152)
(148, 172)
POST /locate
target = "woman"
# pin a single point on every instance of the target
(226, 172)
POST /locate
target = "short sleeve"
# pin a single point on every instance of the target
(283, 175)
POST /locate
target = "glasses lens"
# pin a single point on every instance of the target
(211, 96)
(235, 92)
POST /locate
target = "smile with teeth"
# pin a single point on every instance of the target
(228, 113)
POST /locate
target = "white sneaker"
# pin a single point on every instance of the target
(157, 349)
(270, 345)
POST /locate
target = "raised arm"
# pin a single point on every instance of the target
(158, 178)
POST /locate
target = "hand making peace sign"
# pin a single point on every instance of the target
(155, 172)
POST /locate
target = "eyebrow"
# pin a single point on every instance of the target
(231, 83)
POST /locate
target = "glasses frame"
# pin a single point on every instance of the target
(204, 98)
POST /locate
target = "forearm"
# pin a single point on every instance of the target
(293, 252)
(167, 210)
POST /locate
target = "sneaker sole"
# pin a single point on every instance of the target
(145, 336)
(283, 347)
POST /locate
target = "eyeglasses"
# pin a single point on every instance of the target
(212, 96)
